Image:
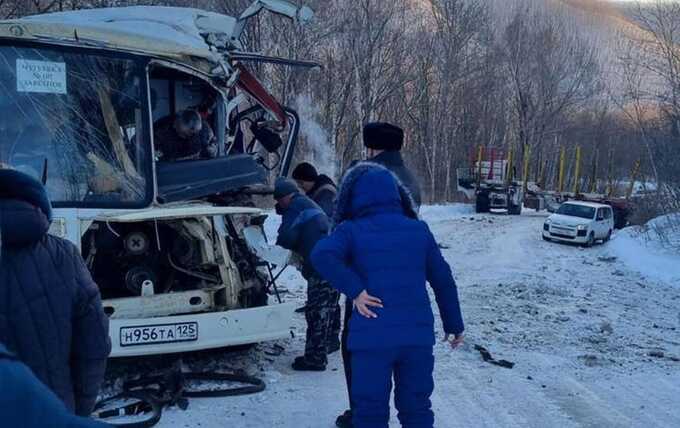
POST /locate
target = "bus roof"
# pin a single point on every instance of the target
(173, 33)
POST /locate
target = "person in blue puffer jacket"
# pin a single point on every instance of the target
(303, 224)
(26, 402)
(381, 256)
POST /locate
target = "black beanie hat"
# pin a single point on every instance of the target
(17, 185)
(305, 172)
(383, 136)
(284, 187)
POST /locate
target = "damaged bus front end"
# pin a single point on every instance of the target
(177, 247)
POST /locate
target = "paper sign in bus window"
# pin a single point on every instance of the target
(44, 77)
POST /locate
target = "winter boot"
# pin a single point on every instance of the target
(333, 345)
(302, 364)
(344, 420)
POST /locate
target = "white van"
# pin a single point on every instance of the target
(580, 222)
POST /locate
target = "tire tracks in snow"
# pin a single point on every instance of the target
(564, 296)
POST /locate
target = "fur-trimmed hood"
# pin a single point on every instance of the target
(368, 188)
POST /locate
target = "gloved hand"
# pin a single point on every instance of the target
(211, 150)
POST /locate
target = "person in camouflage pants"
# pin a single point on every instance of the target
(322, 304)
(303, 224)
(321, 189)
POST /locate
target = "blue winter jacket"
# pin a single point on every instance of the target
(303, 224)
(25, 402)
(380, 246)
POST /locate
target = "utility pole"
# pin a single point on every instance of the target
(525, 173)
(560, 180)
(577, 171)
(593, 175)
(480, 156)
(633, 178)
(508, 173)
(610, 184)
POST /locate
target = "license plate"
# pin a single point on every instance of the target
(157, 334)
(565, 231)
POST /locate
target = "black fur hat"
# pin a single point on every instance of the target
(383, 136)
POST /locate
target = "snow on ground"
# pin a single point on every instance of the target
(596, 344)
(652, 250)
(435, 213)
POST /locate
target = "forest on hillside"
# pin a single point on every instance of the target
(534, 76)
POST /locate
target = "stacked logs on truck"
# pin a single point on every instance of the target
(564, 178)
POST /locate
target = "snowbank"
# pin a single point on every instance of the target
(445, 212)
(652, 249)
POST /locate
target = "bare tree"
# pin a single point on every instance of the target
(457, 74)
(650, 66)
(551, 69)
(453, 47)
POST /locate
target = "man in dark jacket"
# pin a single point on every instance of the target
(383, 142)
(184, 136)
(303, 224)
(321, 189)
(51, 316)
(27, 403)
(380, 256)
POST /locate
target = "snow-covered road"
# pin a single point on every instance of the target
(595, 343)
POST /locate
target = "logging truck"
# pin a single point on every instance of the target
(489, 181)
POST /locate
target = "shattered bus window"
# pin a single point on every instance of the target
(77, 119)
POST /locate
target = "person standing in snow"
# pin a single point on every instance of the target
(321, 189)
(383, 142)
(381, 256)
(51, 315)
(303, 224)
(30, 404)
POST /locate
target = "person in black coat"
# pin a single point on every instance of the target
(303, 224)
(322, 190)
(383, 142)
(51, 315)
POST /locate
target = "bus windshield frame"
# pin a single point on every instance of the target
(80, 118)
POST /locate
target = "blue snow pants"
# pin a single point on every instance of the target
(372, 372)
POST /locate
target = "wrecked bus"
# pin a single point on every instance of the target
(176, 246)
